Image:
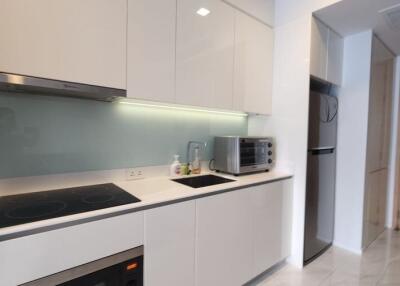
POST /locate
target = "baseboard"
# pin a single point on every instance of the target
(358, 251)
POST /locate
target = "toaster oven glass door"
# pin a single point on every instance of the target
(253, 152)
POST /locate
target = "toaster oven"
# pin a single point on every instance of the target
(239, 155)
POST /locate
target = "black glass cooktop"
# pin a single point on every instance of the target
(25, 208)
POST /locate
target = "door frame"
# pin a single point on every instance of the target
(396, 152)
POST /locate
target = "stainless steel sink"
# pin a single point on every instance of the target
(202, 181)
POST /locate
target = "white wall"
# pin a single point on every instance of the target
(289, 120)
(260, 9)
(394, 145)
(352, 141)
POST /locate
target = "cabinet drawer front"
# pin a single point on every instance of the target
(31, 257)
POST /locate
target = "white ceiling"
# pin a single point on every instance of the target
(349, 17)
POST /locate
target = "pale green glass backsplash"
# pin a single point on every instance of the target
(45, 135)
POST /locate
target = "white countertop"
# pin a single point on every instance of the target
(152, 192)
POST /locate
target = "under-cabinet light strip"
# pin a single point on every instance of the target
(184, 108)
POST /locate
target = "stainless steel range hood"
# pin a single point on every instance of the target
(34, 85)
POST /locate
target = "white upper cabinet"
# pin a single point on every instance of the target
(326, 53)
(200, 53)
(335, 58)
(73, 40)
(253, 70)
(204, 53)
(263, 10)
(319, 49)
(151, 49)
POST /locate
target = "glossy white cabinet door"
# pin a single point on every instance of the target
(151, 49)
(254, 43)
(271, 205)
(224, 252)
(170, 245)
(335, 58)
(319, 49)
(73, 40)
(204, 54)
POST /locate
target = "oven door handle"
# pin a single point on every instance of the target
(322, 150)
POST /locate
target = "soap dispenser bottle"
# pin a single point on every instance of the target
(175, 169)
(196, 164)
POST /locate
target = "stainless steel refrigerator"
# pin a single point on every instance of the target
(321, 169)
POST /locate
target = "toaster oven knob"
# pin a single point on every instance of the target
(269, 153)
(270, 145)
(269, 161)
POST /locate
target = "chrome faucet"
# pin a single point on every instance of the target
(190, 143)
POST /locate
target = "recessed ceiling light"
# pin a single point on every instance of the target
(203, 12)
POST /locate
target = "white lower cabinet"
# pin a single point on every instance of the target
(39, 255)
(224, 252)
(271, 207)
(241, 234)
(169, 245)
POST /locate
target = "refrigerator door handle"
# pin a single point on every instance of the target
(321, 150)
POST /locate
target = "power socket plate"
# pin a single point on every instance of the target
(134, 174)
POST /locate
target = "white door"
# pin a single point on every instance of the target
(375, 205)
(170, 245)
(224, 251)
(376, 117)
(151, 49)
(254, 44)
(387, 120)
(204, 53)
(73, 40)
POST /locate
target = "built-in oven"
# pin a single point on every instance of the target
(238, 155)
(121, 269)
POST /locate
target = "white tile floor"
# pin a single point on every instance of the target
(379, 265)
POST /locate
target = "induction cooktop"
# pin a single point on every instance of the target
(31, 207)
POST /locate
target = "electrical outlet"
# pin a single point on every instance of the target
(134, 174)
